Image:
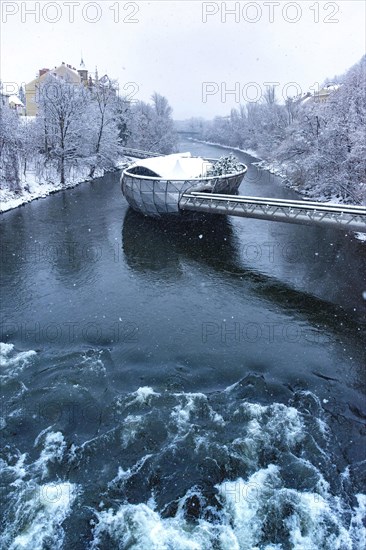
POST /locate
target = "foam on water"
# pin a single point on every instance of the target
(267, 425)
(358, 521)
(12, 364)
(307, 521)
(185, 471)
(54, 447)
(37, 516)
(34, 510)
(5, 349)
(11, 361)
(133, 424)
(263, 511)
(188, 403)
(142, 395)
(138, 526)
(124, 475)
(92, 363)
(191, 404)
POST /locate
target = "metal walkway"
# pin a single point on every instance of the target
(138, 153)
(339, 216)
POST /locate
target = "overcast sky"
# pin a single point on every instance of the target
(192, 52)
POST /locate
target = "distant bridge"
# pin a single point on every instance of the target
(140, 154)
(188, 132)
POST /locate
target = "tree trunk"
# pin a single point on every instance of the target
(62, 160)
(62, 170)
(92, 170)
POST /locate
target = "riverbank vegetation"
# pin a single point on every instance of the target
(78, 133)
(319, 146)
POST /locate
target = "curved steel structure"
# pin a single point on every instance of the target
(156, 197)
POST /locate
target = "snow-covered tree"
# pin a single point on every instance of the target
(163, 125)
(219, 131)
(196, 125)
(9, 148)
(102, 137)
(123, 115)
(327, 140)
(28, 146)
(140, 126)
(62, 105)
(323, 143)
(151, 127)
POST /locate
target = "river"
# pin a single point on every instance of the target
(180, 386)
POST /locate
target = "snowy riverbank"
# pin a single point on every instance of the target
(284, 171)
(34, 187)
(276, 168)
(287, 171)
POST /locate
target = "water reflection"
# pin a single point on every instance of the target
(165, 250)
(161, 246)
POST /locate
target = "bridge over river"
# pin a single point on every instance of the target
(339, 216)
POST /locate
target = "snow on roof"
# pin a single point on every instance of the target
(14, 99)
(176, 166)
(329, 88)
(332, 87)
(307, 99)
(63, 72)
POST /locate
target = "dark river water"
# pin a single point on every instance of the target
(180, 385)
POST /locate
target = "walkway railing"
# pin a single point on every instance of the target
(340, 216)
(139, 154)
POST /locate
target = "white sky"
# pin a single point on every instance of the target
(169, 49)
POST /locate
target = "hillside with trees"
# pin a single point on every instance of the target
(320, 146)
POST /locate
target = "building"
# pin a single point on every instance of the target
(13, 102)
(323, 94)
(16, 104)
(83, 72)
(64, 71)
